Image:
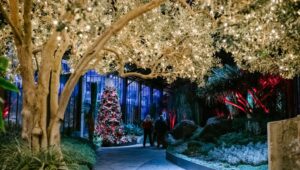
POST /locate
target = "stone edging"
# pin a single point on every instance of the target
(183, 163)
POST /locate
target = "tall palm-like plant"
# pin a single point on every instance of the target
(239, 90)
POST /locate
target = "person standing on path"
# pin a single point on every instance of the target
(148, 127)
(161, 129)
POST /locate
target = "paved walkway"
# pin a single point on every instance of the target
(133, 158)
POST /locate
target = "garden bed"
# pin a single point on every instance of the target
(78, 154)
(232, 151)
(194, 163)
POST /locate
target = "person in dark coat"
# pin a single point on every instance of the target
(161, 129)
(148, 128)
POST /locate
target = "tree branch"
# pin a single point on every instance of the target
(27, 23)
(152, 75)
(186, 5)
(37, 50)
(56, 68)
(113, 51)
(98, 46)
(136, 74)
(15, 30)
(14, 13)
(37, 63)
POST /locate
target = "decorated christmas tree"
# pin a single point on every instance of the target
(109, 122)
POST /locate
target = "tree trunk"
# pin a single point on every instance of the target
(54, 126)
(27, 75)
(27, 118)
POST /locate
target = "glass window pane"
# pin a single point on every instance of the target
(132, 102)
(145, 103)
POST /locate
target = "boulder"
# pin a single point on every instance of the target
(173, 142)
(212, 132)
(184, 129)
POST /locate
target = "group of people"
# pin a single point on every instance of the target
(154, 130)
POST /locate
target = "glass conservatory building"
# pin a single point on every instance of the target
(136, 97)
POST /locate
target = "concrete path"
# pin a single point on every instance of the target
(133, 158)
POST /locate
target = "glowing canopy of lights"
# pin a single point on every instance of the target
(174, 40)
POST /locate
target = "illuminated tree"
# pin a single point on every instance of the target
(263, 36)
(109, 120)
(169, 40)
(161, 40)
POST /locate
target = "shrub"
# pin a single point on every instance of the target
(212, 132)
(184, 129)
(97, 140)
(233, 148)
(252, 154)
(13, 132)
(238, 124)
(196, 148)
(78, 151)
(16, 155)
(131, 129)
(240, 138)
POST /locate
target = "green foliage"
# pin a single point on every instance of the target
(240, 138)
(212, 132)
(3, 64)
(233, 132)
(6, 85)
(97, 140)
(200, 149)
(184, 100)
(196, 148)
(2, 128)
(238, 124)
(16, 155)
(14, 133)
(3, 82)
(78, 152)
(220, 83)
(131, 129)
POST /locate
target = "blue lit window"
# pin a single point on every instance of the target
(118, 82)
(132, 102)
(145, 103)
(14, 102)
(65, 67)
